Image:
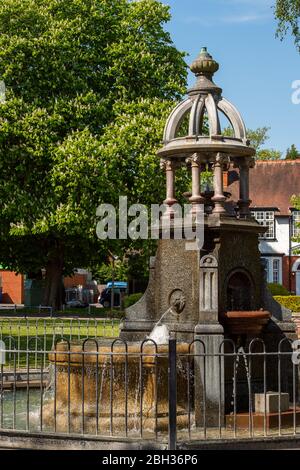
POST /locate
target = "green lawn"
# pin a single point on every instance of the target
(87, 312)
(41, 334)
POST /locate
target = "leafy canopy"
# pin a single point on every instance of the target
(292, 153)
(89, 85)
(258, 138)
(287, 12)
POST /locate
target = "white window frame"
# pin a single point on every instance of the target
(295, 220)
(274, 269)
(266, 218)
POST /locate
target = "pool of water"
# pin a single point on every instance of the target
(21, 410)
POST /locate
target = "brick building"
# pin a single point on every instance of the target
(12, 284)
(12, 287)
(272, 184)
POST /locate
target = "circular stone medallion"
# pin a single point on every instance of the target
(177, 300)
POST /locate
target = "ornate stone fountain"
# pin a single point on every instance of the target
(226, 274)
(211, 293)
(222, 286)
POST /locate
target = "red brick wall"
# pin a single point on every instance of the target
(76, 280)
(12, 287)
(285, 273)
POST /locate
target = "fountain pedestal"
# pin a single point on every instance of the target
(100, 391)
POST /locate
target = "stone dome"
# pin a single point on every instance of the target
(186, 130)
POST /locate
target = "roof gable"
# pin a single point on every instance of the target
(272, 184)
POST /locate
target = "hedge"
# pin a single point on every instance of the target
(278, 289)
(292, 301)
(132, 299)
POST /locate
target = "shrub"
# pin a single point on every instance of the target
(278, 289)
(292, 302)
(132, 299)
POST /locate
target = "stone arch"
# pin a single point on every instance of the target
(296, 266)
(239, 288)
(296, 272)
(208, 261)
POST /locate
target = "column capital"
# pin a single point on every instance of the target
(220, 160)
(168, 164)
(194, 159)
(243, 162)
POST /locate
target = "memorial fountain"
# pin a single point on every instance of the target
(209, 294)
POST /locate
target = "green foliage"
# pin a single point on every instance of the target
(287, 12)
(207, 178)
(292, 153)
(258, 137)
(291, 302)
(105, 272)
(132, 299)
(89, 86)
(277, 289)
(95, 312)
(71, 312)
(295, 202)
(268, 154)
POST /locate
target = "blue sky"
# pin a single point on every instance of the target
(256, 69)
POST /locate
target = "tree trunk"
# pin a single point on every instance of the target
(54, 290)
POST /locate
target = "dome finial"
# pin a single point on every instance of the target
(204, 64)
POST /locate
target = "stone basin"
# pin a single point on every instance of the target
(246, 322)
(93, 384)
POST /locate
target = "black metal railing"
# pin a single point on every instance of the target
(173, 392)
(36, 333)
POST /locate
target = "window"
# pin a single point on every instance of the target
(266, 218)
(273, 269)
(276, 265)
(296, 224)
(266, 268)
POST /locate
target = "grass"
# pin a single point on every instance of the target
(93, 312)
(41, 334)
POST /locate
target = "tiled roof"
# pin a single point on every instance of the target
(272, 183)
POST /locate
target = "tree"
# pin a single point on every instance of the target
(287, 12)
(89, 85)
(268, 154)
(292, 153)
(105, 272)
(258, 138)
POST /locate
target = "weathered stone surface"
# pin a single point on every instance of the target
(98, 392)
(175, 270)
(272, 402)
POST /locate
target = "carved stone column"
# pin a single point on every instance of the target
(169, 166)
(196, 199)
(218, 197)
(209, 335)
(244, 202)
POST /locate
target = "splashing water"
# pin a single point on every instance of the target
(160, 333)
(241, 353)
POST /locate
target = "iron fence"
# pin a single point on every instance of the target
(173, 392)
(42, 310)
(37, 333)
